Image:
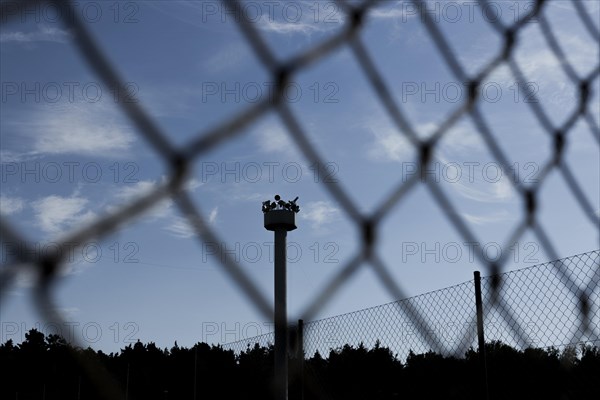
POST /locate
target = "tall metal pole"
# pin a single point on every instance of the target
(280, 217)
(281, 331)
(195, 369)
(127, 384)
(300, 357)
(480, 335)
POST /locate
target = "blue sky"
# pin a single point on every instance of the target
(69, 156)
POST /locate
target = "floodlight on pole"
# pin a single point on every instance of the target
(280, 217)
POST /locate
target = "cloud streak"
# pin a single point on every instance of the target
(55, 214)
(11, 205)
(492, 218)
(43, 34)
(164, 210)
(389, 145)
(320, 213)
(180, 228)
(81, 131)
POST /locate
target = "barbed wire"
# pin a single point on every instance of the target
(179, 160)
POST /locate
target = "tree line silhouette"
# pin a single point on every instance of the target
(45, 367)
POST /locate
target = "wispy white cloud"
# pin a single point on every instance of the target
(11, 205)
(287, 27)
(500, 191)
(540, 65)
(305, 18)
(77, 126)
(135, 190)
(193, 184)
(164, 210)
(492, 218)
(43, 34)
(69, 313)
(226, 58)
(591, 6)
(180, 228)
(253, 197)
(126, 194)
(392, 10)
(143, 188)
(462, 142)
(299, 18)
(503, 189)
(320, 213)
(8, 156)
(55, 214)
(580, 55)
(388, 145)
(461, 139)
(273, 139)
(212, 217)
(82, 131)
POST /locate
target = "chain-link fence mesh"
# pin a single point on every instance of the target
(547, 315)
(536, 302)
(180, 160)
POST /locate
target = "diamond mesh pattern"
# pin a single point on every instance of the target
(537, 312)
(500, 292)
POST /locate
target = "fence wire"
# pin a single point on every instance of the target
(548, 315)
(179, 159)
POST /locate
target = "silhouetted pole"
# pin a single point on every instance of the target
(280, 217)
(281, 367)
(127, 384)
(300, 356)
(480, 335)
(195, 369)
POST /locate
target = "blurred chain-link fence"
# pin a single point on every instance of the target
(411, 314)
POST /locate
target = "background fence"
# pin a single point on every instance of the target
(503, 295)
(543, 312)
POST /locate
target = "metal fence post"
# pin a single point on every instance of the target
(300, 357)
(481, 336)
